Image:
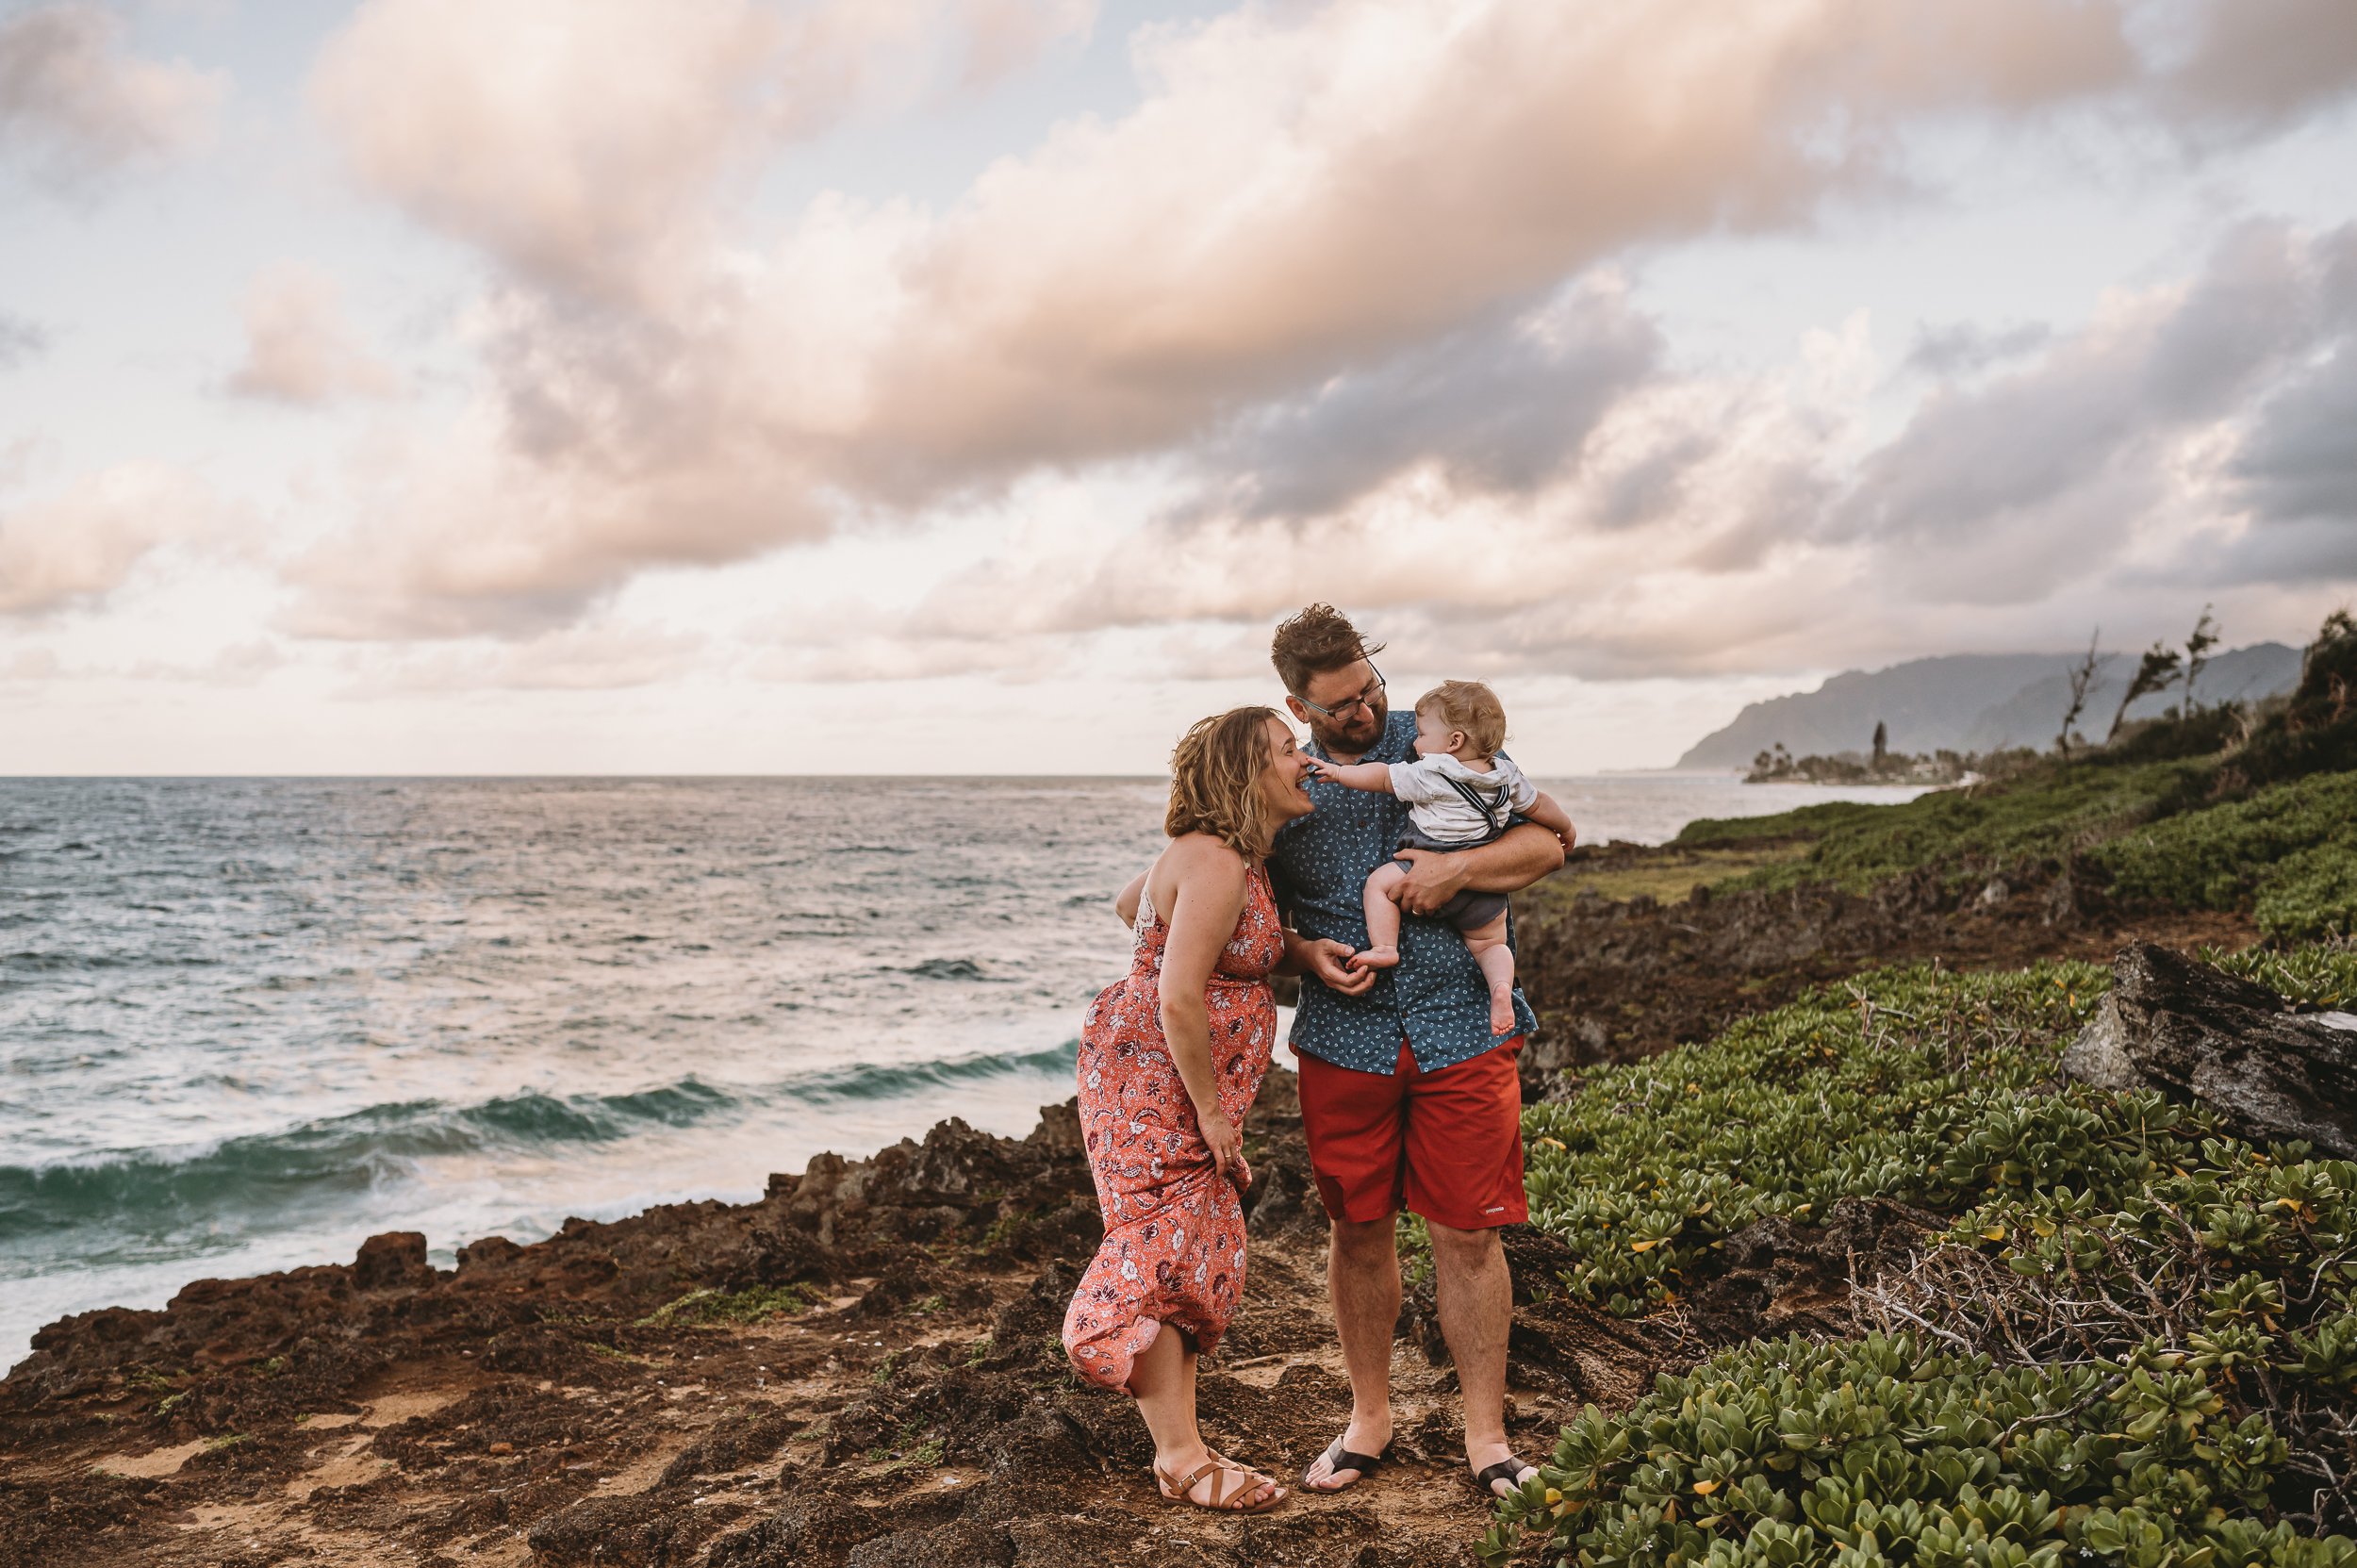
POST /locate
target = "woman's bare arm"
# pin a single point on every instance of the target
(1205, 891)
(1126, 901)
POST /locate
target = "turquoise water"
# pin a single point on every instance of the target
(245, 1024)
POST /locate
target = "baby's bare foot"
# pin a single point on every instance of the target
(1376, 958)
(1502, 1013)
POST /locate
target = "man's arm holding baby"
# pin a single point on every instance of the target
(1508, 863)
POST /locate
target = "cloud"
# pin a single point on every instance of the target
(1962, 348)
(2190, 438)
(1997, 491)
(75, 548)
(238, 664)
(20, 341)
(76, 105)
(1305, 201)
(1501, 408)
(593, 147)
(2254, 64)
(589, 658)
(298, 348)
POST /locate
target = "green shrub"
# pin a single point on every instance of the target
(2047, 813)
(2288, 853)
(1891, 1450)
(2316, 731)
(2319, 977)
(709, 1306)
(2137, 1272)
(1872, 1088)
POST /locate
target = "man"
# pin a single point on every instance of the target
(1407, 1098)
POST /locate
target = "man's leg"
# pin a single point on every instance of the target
(1476, 1302)
(1352, 1120)
(1362, 1275)
(1464, 1155)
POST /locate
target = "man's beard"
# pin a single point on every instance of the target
(1360, 735)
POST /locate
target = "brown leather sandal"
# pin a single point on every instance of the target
(1224, 1499)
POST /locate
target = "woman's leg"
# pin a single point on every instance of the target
(1161, 1379)
(1382, 950)
(1497, 966)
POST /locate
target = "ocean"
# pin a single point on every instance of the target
(246, 1023)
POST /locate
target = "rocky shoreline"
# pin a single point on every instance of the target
(860, 1368)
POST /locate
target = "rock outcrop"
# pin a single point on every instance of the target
(2193, 1031)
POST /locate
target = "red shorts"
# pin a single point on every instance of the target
(1446, 1145)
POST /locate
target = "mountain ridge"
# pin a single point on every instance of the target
(1969, 702)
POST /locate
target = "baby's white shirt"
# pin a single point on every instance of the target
(1429, 788)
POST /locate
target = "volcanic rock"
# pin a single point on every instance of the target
(2193, 1031)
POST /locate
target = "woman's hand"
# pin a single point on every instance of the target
(1220, 1137)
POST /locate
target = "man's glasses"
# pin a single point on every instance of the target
(1342, 712)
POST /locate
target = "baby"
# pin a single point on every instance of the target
(1459, 793)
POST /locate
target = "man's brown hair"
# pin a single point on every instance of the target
(1318, 639)
(1470, 706)
(1215, 781)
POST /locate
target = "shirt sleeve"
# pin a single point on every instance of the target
(1520, 793)
(1417, 784)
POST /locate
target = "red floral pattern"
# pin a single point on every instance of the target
(1173, 1245)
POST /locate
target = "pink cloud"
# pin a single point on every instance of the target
(75, 104)
(299, 349)
(74, 547)
(1302, 197)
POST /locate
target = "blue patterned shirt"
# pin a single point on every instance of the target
(1436, 998)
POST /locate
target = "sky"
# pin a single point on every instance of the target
(969, 386)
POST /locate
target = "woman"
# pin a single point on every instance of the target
(1170, 1060)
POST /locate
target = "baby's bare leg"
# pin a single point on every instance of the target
(1382, 950)
(1497, 966)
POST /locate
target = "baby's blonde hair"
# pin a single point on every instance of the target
(1470, 706)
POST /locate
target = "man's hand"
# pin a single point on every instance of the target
(1433, 879)
(1328, 962)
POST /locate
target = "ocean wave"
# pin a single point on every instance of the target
(247, 1180)
(940, 969)
(162, 1188)
(891, 1080)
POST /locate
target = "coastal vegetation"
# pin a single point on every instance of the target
(2134, 1341)
(2215, 808)
(2118, 1333)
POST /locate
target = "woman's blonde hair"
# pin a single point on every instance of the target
(1470, 706)
(1215, 781)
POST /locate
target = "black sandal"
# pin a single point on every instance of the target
(1508, 1470)
(1339, 1458)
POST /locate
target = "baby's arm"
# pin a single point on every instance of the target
(1553, 817)
(1374, 777)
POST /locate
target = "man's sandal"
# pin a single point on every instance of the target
(1508, 1470)
(1222, 1499)
(1339, 1458)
